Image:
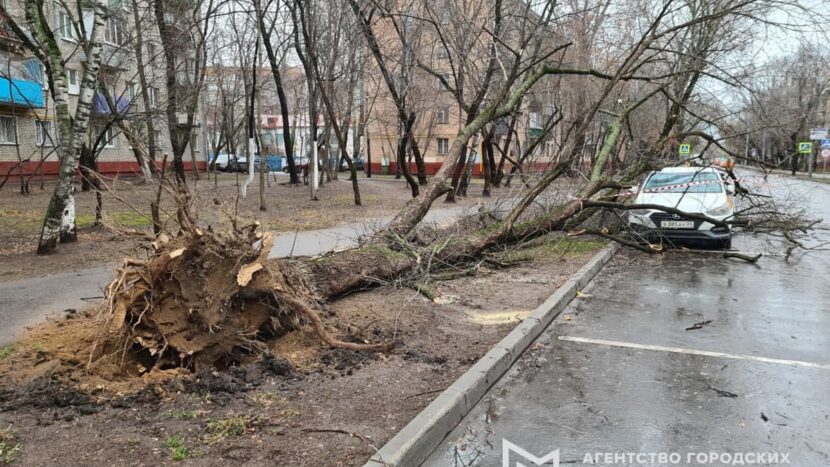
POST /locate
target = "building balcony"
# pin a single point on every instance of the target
(22, 93)
(100, 106)
(114, 57)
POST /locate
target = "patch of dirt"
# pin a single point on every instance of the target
(300, 404)
(127, 207)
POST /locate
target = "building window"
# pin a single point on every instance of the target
(442, 117)
(441, 52)
(132, 91)
(44, 77)
(108, 139)
(445, 14)
(44, 133)
(153, 96)
(67, 28)
(443, 145)
(74, 87)
(151, 53)
(33, 70)
(114, 34)
(534, 121)
(8, 130)
(157, 138)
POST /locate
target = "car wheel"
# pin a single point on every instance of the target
(724, 244)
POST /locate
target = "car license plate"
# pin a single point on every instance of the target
(677, 224)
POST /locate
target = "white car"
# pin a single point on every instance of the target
(695, 190)
(222, 161)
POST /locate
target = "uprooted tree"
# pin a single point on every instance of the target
(208, 298)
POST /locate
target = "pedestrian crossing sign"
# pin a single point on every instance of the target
(805, 147)
(685, 149)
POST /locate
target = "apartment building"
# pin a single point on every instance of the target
(27, 127)
(439, 116)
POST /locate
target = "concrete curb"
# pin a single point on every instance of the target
(416, 441)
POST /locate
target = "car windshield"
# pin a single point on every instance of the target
(684, 182)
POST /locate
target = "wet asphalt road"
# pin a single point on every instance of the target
(29, 301)
(618, 372)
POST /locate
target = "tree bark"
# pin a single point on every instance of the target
(368, 155)
(143, 86)
(59, 222)
(403, 143)
(487, 159)
(180, 134)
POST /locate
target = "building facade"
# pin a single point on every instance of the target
(118, 123)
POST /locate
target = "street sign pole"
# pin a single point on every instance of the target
(806, 148)
(810, 165)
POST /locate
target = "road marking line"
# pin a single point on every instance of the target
(704, 353)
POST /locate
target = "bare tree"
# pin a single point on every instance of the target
(267, 26)
(183, 26)
(311, 57)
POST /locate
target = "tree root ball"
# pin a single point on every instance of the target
(207, 300)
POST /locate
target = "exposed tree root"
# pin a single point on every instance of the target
(208, 299)
(320, 329)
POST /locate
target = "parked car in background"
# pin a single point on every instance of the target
(222, 161)
(693, 190)
(359, 165)
(231, 163)
(238, 164)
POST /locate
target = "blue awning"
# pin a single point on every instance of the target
(21, 92)
(100, 106)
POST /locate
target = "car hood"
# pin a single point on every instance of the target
(688, 202)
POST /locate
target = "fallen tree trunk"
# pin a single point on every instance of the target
(208, 299)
